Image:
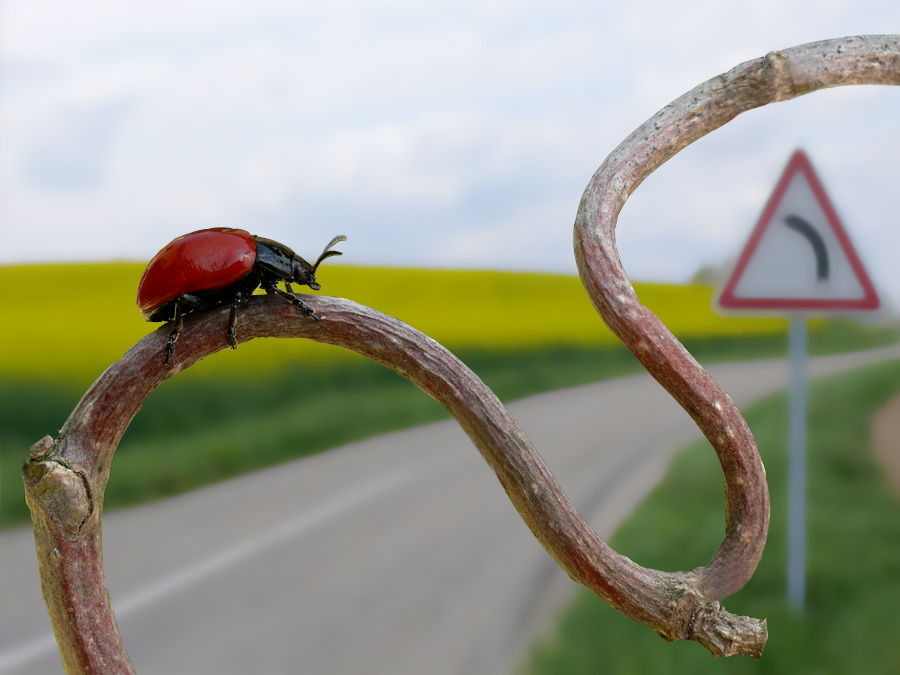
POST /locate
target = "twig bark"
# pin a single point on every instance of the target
(65, 478)
(779, 76)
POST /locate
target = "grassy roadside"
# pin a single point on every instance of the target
(851, 622)
(196, 431)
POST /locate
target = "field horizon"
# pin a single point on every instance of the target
(462, 309)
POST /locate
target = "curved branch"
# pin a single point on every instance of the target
(779, 76)
(65, 478)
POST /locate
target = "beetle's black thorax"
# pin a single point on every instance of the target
(275, 259)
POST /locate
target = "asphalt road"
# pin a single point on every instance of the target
(398, 555)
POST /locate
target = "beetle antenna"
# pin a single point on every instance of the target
(326, 253)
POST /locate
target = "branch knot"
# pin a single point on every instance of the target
(60, 491)
(781, 80)
(696, 617)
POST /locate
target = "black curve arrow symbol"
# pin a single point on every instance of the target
(815, 240)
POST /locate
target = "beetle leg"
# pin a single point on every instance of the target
(295, 301)
(176, 331)
(232, 320)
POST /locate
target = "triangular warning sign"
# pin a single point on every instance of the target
(799, 256)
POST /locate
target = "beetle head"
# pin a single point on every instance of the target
(305, 274)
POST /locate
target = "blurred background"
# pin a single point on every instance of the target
(451, 143)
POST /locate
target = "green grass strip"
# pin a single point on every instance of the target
(196, 431)
(851, 623)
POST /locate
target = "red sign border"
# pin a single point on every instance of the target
(727, 299)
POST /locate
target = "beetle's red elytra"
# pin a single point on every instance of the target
(208, 268)
(199, 261)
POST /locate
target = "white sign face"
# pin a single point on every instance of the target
(799, 255)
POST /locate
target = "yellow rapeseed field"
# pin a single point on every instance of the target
(71, 321)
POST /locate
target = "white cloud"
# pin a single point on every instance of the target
(72, 150)
(431, 133)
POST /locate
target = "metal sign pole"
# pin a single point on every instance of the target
(798, 259)
(796, 573)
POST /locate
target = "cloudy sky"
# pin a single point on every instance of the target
(451, 134)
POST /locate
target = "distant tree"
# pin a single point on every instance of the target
(706, 275)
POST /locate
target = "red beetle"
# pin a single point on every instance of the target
(207, 268)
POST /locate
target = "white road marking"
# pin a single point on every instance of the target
(283, 531)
